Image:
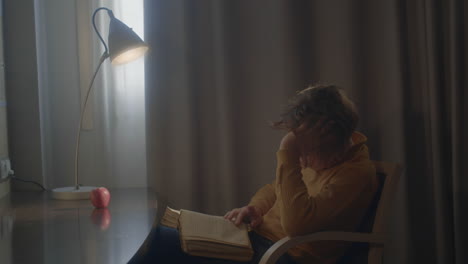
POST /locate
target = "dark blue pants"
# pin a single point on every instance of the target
(163, 246)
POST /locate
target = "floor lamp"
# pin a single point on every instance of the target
(124, 46)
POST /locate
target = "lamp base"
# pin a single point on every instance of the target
(71, 193)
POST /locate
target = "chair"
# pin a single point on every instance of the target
(371, 232)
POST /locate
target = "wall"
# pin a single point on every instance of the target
(22, 89)
(4, 185)
(3, 103)
(6, 221)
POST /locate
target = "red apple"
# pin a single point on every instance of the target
(100, 197)
(101, 218)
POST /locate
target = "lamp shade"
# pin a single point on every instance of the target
(124, 44)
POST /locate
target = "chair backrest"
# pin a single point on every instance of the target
(388, 175)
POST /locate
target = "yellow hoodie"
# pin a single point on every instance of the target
(303, 201)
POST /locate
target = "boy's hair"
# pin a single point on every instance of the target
(321, 102)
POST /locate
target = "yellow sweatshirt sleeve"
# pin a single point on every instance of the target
(348, 192)
(264, 198)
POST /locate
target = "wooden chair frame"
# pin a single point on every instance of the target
(376, 239)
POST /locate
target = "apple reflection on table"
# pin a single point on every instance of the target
(101, 217)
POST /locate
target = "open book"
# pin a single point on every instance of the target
(210, 236)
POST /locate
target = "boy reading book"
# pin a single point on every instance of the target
(324, 181)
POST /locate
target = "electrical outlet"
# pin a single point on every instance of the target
(5, 169)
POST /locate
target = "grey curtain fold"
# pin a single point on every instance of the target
(218, 71)
(434, 66)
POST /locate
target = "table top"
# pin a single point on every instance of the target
(37, 229)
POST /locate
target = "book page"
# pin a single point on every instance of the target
(200, 226)
(170, 218)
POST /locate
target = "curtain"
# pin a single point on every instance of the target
(209, 143)
(113, 135)
(435, 59)
(121, 101)
(218, 71)
(113, 150)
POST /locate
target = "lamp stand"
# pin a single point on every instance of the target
(79, 192)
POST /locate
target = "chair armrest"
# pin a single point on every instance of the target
(283, 245)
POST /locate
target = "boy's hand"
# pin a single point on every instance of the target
(247, 214)
(306, 140)
(289, 142)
